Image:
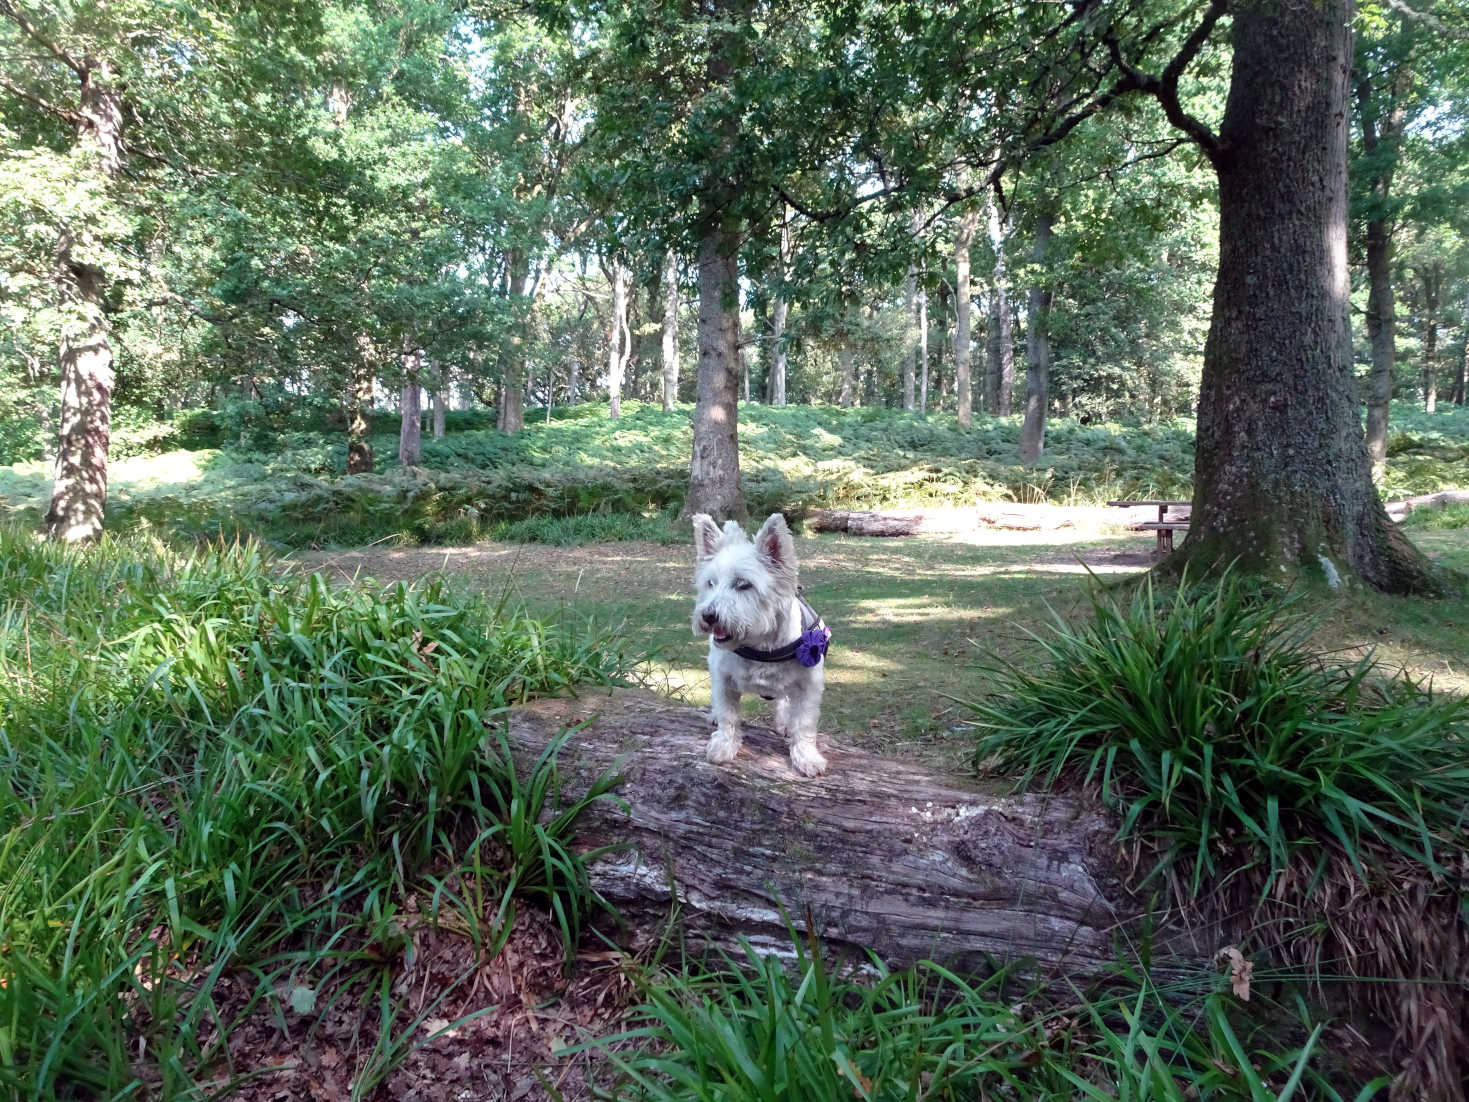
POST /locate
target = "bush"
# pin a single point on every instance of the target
(1318, 806)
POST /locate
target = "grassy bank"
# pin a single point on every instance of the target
(223, 789)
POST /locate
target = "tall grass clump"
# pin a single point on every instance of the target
(1317, 805)
(210, 767)
(768, 1028)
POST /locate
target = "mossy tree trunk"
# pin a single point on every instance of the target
(1282, 476)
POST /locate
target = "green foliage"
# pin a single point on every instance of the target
(207, 761)
(1226, 743)
(770, 1029)
(585, 476)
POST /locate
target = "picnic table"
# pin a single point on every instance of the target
(1164, 525)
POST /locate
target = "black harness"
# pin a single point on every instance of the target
(809, 649)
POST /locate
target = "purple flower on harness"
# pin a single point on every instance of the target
(812, 647)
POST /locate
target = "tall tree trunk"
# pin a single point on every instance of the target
(670, 330)
(923, 350)
(1281, 473)
(619, 339)
(963, 239)
(510, 416)
(779, 310)
(1462, 375)
(1431, 276)
(359, 428)
(1381, 310)
(846, 370)
(1382, 334)
(1037, 344)
(439, 400)
(410, 425)
(1000, 378)
(910, 325)
(714, 477)
(779, 313)
(79, 493)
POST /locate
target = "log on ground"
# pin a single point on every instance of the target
(1397, 510)
(882, 853)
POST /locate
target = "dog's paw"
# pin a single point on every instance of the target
(807, 760)
(723, 746)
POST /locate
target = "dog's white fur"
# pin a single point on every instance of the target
(745, 596)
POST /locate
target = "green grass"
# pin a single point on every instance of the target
(763, 1029)
(209, 769)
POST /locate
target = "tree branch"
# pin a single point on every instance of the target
(1165, 88)
(27, 28)
(36, 101)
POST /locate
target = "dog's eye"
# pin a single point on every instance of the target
(710, 583)
(744, 584)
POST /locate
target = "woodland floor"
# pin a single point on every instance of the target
(915, 621)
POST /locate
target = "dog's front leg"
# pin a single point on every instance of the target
(724, 744)
(802, 716)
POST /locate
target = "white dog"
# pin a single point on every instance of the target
(763, 636)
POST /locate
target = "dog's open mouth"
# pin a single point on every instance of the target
(720, 639)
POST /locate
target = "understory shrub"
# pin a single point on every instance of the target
(208, 765)
(1317, 805)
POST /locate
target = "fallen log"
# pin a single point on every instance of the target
(864, 524)
(1397, 510)
(883, 853)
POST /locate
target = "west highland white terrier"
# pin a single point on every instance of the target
(763, 636)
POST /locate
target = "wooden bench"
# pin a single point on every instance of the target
(1163, 525)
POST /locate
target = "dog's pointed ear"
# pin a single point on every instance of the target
(774, 544)
(706, 536)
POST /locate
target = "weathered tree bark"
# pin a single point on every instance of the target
(79, 493)
(881, 853)
(1430, 274)
(619, 338)
(1037, 344)
(1282, 477)
(510, 415)
(670, 330)
(963, 239)
(1381, 309)
(1000, 375)
(359, 429)
(410, 425)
